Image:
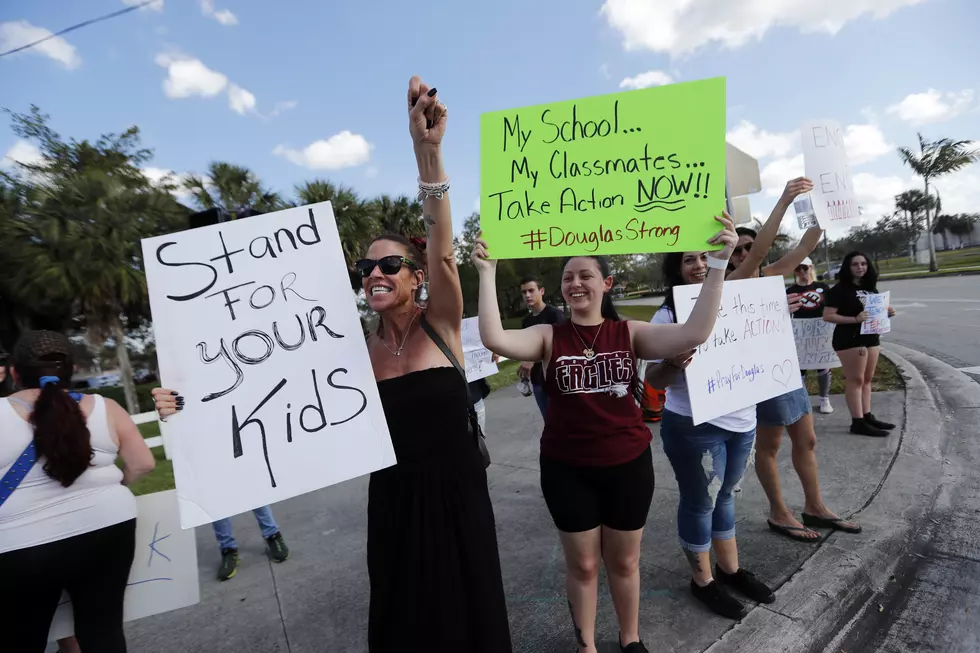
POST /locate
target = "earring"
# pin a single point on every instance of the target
(422, 292)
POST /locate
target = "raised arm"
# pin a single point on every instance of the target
(767, 235)
(656, 341)
(521, 344)
(427, 125)
(788, 263)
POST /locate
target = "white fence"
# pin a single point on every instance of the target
(157, 441)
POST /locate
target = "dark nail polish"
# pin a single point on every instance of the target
(431, 92)
(174, 393)
(415, 100)
(428, 124)
(181, 407)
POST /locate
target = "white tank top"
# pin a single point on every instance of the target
(41, 510)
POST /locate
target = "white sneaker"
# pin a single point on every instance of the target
(825, 406)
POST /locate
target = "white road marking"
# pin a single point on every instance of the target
(971, 370)
(916, 305)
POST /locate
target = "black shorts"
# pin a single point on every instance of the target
(582, 498)
(852, 338)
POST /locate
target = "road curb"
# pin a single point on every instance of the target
(835, 584)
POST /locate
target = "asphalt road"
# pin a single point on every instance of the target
(939, 317)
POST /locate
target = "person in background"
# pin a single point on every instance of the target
(596, 463)
(812, 295)
(706, 506)
(479, 391)
(858, 352)
(538, 313)
(792, 411)
(6, 379)
(67, 521)
(275, 545)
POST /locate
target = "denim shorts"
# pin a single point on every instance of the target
(785, 409)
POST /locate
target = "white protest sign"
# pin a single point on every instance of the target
(257, 327)
(814, 347)
(479, 359)
(825, 164)
(750, 355)
(876, 304)
(164, 573)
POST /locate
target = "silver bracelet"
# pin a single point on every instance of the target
(437, 190)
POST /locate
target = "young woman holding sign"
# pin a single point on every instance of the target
(858, 352)
(432, 543)
(596, 464)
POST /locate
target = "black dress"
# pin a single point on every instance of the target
(432, 541)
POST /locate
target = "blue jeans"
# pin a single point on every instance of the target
(708, 463)
(263, 515)
(541, 397)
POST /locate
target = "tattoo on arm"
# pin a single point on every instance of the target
(694, 560)
(429, 223)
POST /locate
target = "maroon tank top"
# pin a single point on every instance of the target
(592, 419)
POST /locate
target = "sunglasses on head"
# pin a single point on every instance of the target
(747, 247)
(388, 264)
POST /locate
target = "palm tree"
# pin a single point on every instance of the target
(935, 159)
(355, 223)
(235, 189)
(911, 203)
(401, 215)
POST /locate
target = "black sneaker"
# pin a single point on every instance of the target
(860, 426)
(718, 599)
(634, 647)
(745, 583)
(277, 548)
(229, 564)
(877, 423)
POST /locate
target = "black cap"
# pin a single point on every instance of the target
(38, 348)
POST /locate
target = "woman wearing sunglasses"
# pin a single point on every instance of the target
(431, 546)
(596, 464)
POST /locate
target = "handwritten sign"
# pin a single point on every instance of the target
(639, 171)
(814, 347)
(257, 327)
(164, 572)
(825, 163)
(479, 359)
(750, 356)
(876, 304)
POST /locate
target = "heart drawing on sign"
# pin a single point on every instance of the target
(782, 374)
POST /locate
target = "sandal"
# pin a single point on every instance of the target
(836, 524)
(794, 532)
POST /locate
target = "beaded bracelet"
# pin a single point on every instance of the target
(437, 190)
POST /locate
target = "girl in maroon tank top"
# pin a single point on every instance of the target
(596, 464)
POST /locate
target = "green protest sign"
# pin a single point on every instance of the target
(634, 172)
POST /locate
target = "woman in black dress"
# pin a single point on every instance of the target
(432, 543)
(858, 352)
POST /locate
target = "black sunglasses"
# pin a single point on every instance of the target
(738, 250)
(388, 264)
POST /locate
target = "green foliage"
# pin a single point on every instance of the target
(116, 394)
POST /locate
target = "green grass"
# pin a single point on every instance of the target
(887, 377)
(637, 312)
(957, 258)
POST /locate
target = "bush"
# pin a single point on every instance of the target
(143, 396)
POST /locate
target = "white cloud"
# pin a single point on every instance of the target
(647, 79)
(187, 77)
(223, 16)
(21, 152)
(19, 33)
(759, 143)
(959, 191)
(932, 106)
(865, 143)
(240, 100)
(776, 173)
(343, 150)
(682, 26)
(604, 71)
(282, 107)
(153, 6)
(876, 194)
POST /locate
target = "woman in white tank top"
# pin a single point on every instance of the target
(67, 521)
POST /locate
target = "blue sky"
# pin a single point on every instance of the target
(302, 89)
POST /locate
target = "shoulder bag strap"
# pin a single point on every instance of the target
(19, 469)
(444, 348)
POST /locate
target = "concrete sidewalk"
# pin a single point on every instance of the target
(317, 601)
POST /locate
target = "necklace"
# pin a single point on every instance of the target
(589, 351)
(408, 332)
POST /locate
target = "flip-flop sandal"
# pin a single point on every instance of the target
(794, 532)
(814, 521)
